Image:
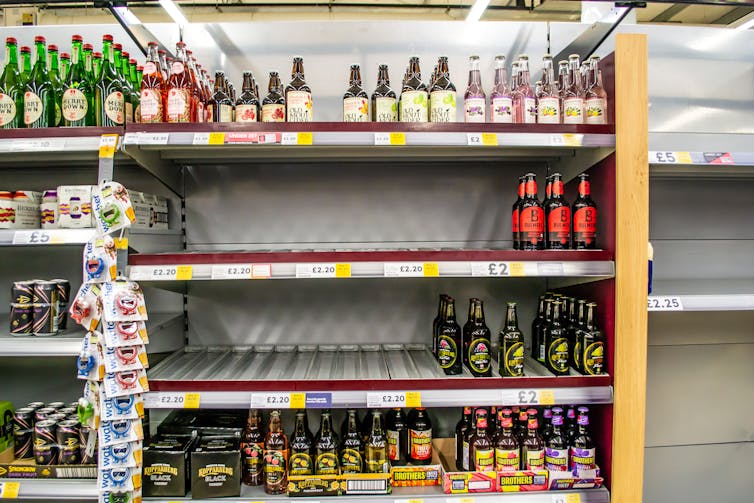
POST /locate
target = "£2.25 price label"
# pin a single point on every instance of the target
(664, 303)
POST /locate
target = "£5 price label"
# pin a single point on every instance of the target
(664, 303)
(36, 238)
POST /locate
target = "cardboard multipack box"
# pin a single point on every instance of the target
(151, 210)
(166, 465)
(75, 207)
(418, 475)
(366, 483)
(313, 485)
(204, 422)
(28, 469)
(6, 425)
(216, 467)
(20, 210)
(582, 479)
(455, 482)
(522, 481)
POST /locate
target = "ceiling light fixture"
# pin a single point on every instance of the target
(175, 12)
(477, 10)
(128, 16)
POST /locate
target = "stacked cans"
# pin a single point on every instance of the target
(50, 434)
(39, 307)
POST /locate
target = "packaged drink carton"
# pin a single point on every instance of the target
(455, 482)
(151, 211)
(418, 475)
(216, 467)
(75, 207)
(365, 483)
(166, 465)
(27, 469)
(522, 481)
(313, 485)
(6, 426)
(581, 479)
(20, 210)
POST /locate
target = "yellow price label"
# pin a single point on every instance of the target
(572, 140)
(413, 399)
(397, 138)
(573, 498)
(121, 243)
(683, 158)
(191, 400)
(184, 272)
(489, 140)
(516, 269)
(9, 490)
(546, 397)
(107, 145)
(298, 400)
(56, 239)
(466, 500)
(305, 139)
(431, 269)
(216, 139)
(342, 270)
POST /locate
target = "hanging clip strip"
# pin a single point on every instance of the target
(127, 380)
(127, 329)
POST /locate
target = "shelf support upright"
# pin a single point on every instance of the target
(632, 234)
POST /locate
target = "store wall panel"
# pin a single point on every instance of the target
(714, 260)
(708, 327)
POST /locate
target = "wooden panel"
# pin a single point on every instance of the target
(699, 474)
(685, 378)
(632, 224)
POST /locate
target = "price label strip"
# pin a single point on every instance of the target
(411, 269)
(386, 399)
(176, 400)
(490, 269)
(529, 397)
(664, 303)
(670, 158)
(108, 143)
(481, 139)
(232, 271)
(324, 270)
(306, 138)
(566, 498)
(168, 273)
(38, 238)
(278, 400)
(9, 490)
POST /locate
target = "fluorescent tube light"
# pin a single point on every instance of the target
(748, 24)
(477, 10)
(172, 9)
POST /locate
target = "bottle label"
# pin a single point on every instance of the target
(176, 68)
(7, 109)
(58, 114)
(114, 107)
(273, 113)
(300, 464)
(151, 105)
(506, 460)
(577, 354)
(484, 460)
(541, 357)
(556, 459)
(275, 463)
(585, 224)
(355, 110)
(473, 110)
(596, 111)
(573, 111)
(530, 111)
(226, 113)
(532, 224)
(594, 356)
(74, 104)
(514, 359)
(420, 444)
(300, 106)
(393, 445)
(246, 113)
(179, 105)
(583, 459)
(129, 112)
(447, 351)
(514, 222)
(414, 106)
(326, 464)
(137, 113)
(442, 106)
(559, 224)
(350, 461)
(479, 355)
(386, 109)
(557, 354)
(465, 455)
(253, 455)
(501, 110)
(535, 459)
(376, 463)
(149, 68)
(548, 111)
(33, 108)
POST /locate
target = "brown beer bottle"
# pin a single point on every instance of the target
(247, 104)
(463, 425)
(531, 217)
(511, 346)
(481, 451)
(478, 346)
(220, 105)
(397, 436)
(326, 448)
(298, 95)
(301, 444)
(533, 447)
(273, 105)
(558, 214)
(355, 99)
(275, 457)
(450, 341)
(376, 449)
(420, 438)
(584, 217)
(514, 213)
(556, 445)
(384, 102)
(507, 448)
(352, 447)
(252, 450)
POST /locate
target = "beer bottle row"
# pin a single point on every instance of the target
(504, 439)
(553, 224)
(564, 335)
(371, 446)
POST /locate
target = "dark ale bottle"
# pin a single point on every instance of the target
(273, 105)
(546, 200)
(344, 424)
(481, 451)
(535, 327)
(397, 437)
(515, 213)
(583, 451)
(466, 331)
(436, 323)
(578, 334)
(247, 104)
(301, 444)
(326, 448)
(352, 446)
(571, 428)
(275, 457)
(556, 445)
(478, 351)
(449, 341)
(556, 343)
(531, 217)
(355, 99)
(220, 105)
(252, 450)
(584, 217)
(507, 448)
(592, 356)
(543, 327)
(298, 95)
(533, 447)
(384, 102)
(571, 325)
(414, 103)
(511, 346)
(420, 438)
(545, 427)
(376, 450)
(558, 216)
(492, 422)
(522, 424)
(462, 427)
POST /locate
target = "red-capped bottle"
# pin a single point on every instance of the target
(584, 217)
(152, 95)
(180, 101)
(515, 211)
(546, 200)
(558, 213)
(531, 217)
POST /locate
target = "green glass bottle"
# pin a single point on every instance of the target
(89, 63)
(96, 65)
(65, 66)
(53, 69)
(39, 97)
(136, 86)
(108, 93)
(77, 103)
(11, 88)
(128, 90)
(25, 63)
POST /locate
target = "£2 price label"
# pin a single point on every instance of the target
(529, 397)
(490, 269)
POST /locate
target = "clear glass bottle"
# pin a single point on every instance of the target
(384, 103)
(548, 97)
(596, 98)
(573, 95)
(501, 101)
(524, 102)
(355, 99)
(376, 448)
(153, 88)
(474, 99)
(180, 103)
(442, 95)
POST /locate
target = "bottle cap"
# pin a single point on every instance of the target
(52, 48)
(88, 47)
(65, 55)
(107, 38)
(117, 47)
(25, 48)
(11, 40)
(77, 38)
(39, 39)
(125, 54)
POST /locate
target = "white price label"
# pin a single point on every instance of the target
(131, 139)
(386, 399)
(474, 139)
(108, 140)
(664, 303)
(315, 270)
(490, 269)
(172, 400)
(232, 271)
(289, 139)
(267, 138)
(153, 138)
(566, 498)
(670, 157)
(37, 145)
(280, 400)
(164, 273)
(404, 269)
(36, 238)
(382, 138)
(529, 397)
(200, 139)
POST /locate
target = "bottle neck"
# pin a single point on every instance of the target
(500, 77)
(41, 53)
(248, 83)
(584, 187)
(325, 428)
(300, 429)
(450, 311)
(478, 313)
(557, 187)
(531, 188)
(590, 317)
(11, 55)
(352, 426)
(511, 319)
(376, 425)
(76, 54)
(275, 424)
(382, 78)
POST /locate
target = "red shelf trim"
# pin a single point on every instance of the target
(58, 132)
